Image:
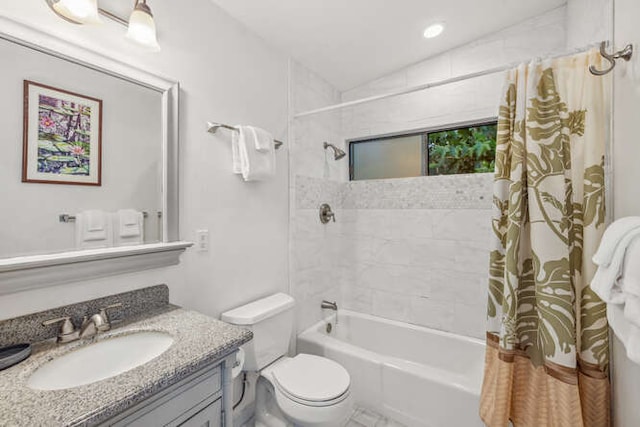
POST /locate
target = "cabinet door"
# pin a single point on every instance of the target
(211, 416)
(175, 404)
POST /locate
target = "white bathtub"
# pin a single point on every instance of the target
(418, 376)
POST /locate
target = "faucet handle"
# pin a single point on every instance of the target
(104, 313)
(67, 330)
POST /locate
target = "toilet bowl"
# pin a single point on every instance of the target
(310, 391)
(305, 390)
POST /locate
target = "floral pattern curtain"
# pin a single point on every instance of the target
(547, 336)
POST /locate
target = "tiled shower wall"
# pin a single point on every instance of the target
(416, 249)
(315, 179)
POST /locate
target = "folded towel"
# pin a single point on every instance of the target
(629, 282)
(93, 230)
(606, 281)
(627, 332)
(612, 237)
(263, 140)
(129, 227)
(254, 165)
(235, 149)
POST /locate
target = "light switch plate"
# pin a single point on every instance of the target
(202, 240)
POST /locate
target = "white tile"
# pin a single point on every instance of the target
(432, 313)
(357, 298)
(453, 286)
(470, 319)
(429, 71)
(462, 225)
(412, 223)
(391, 305)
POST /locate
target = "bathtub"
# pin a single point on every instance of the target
(417, 376)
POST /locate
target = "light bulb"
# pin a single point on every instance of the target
(142, 28)
(80, 11)
(434, 30)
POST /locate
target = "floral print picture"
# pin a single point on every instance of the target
(62, 141)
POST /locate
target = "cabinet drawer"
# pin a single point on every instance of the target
(211, 416)
(175, 403)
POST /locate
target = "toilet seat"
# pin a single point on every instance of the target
(311, 380)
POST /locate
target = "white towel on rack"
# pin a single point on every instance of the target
(93, 230)
(252, 163)
(128, 225)
(263, 140)
(610, 258)
(235, 149)
(614, 235)
(617, 282)
(630, 283)
(627, 332)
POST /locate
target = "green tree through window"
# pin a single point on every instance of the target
(462, 150)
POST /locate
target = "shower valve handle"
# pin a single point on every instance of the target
(326, 214)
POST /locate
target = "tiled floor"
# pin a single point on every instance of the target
(367, 418)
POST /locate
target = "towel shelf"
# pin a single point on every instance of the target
(213, 128)
(72, 218)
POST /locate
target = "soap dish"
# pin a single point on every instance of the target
(9, 356)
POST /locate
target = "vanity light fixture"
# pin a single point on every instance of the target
(141, 28)
(77, 11)
(434, 30)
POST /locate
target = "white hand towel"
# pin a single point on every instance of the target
(254, 165)
(263, 140)
(235, 149)
(93, 230)
(630, 283)
(627, 333)
(612, 237)
(606, 282)
(129, 227)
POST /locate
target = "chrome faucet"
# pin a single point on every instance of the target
(91, 326)
(329, 305)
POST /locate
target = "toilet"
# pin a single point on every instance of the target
(305, 390)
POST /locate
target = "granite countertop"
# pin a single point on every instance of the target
(198, 340)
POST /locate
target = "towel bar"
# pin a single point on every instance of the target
(72, 218)
(213, 128)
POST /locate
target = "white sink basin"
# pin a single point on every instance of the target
(100, 360)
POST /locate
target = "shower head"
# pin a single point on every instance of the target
(337, 153)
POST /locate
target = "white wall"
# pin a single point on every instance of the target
(226, 74)
(626, 176)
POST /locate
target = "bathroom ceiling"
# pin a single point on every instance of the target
(351, 42)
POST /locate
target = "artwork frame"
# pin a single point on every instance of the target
(62, 136)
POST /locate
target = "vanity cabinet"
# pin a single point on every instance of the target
(196, 401)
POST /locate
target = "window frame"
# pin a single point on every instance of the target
(424, 133)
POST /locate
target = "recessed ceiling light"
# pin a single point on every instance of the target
(434, 30)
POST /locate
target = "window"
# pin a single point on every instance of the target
(464, 149)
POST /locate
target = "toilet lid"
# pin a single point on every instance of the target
(312, 378)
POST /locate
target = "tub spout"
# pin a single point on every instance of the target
(329, 305)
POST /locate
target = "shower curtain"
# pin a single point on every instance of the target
(547, 356)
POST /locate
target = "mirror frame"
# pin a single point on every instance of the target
(33, 271)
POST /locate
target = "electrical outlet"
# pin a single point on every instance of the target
(202, 240)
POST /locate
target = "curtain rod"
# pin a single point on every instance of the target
(430, 85)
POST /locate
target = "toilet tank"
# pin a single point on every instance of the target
(271, 321)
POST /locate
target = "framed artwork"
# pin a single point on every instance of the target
(62, 136)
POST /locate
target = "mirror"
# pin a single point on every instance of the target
(80, 133)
